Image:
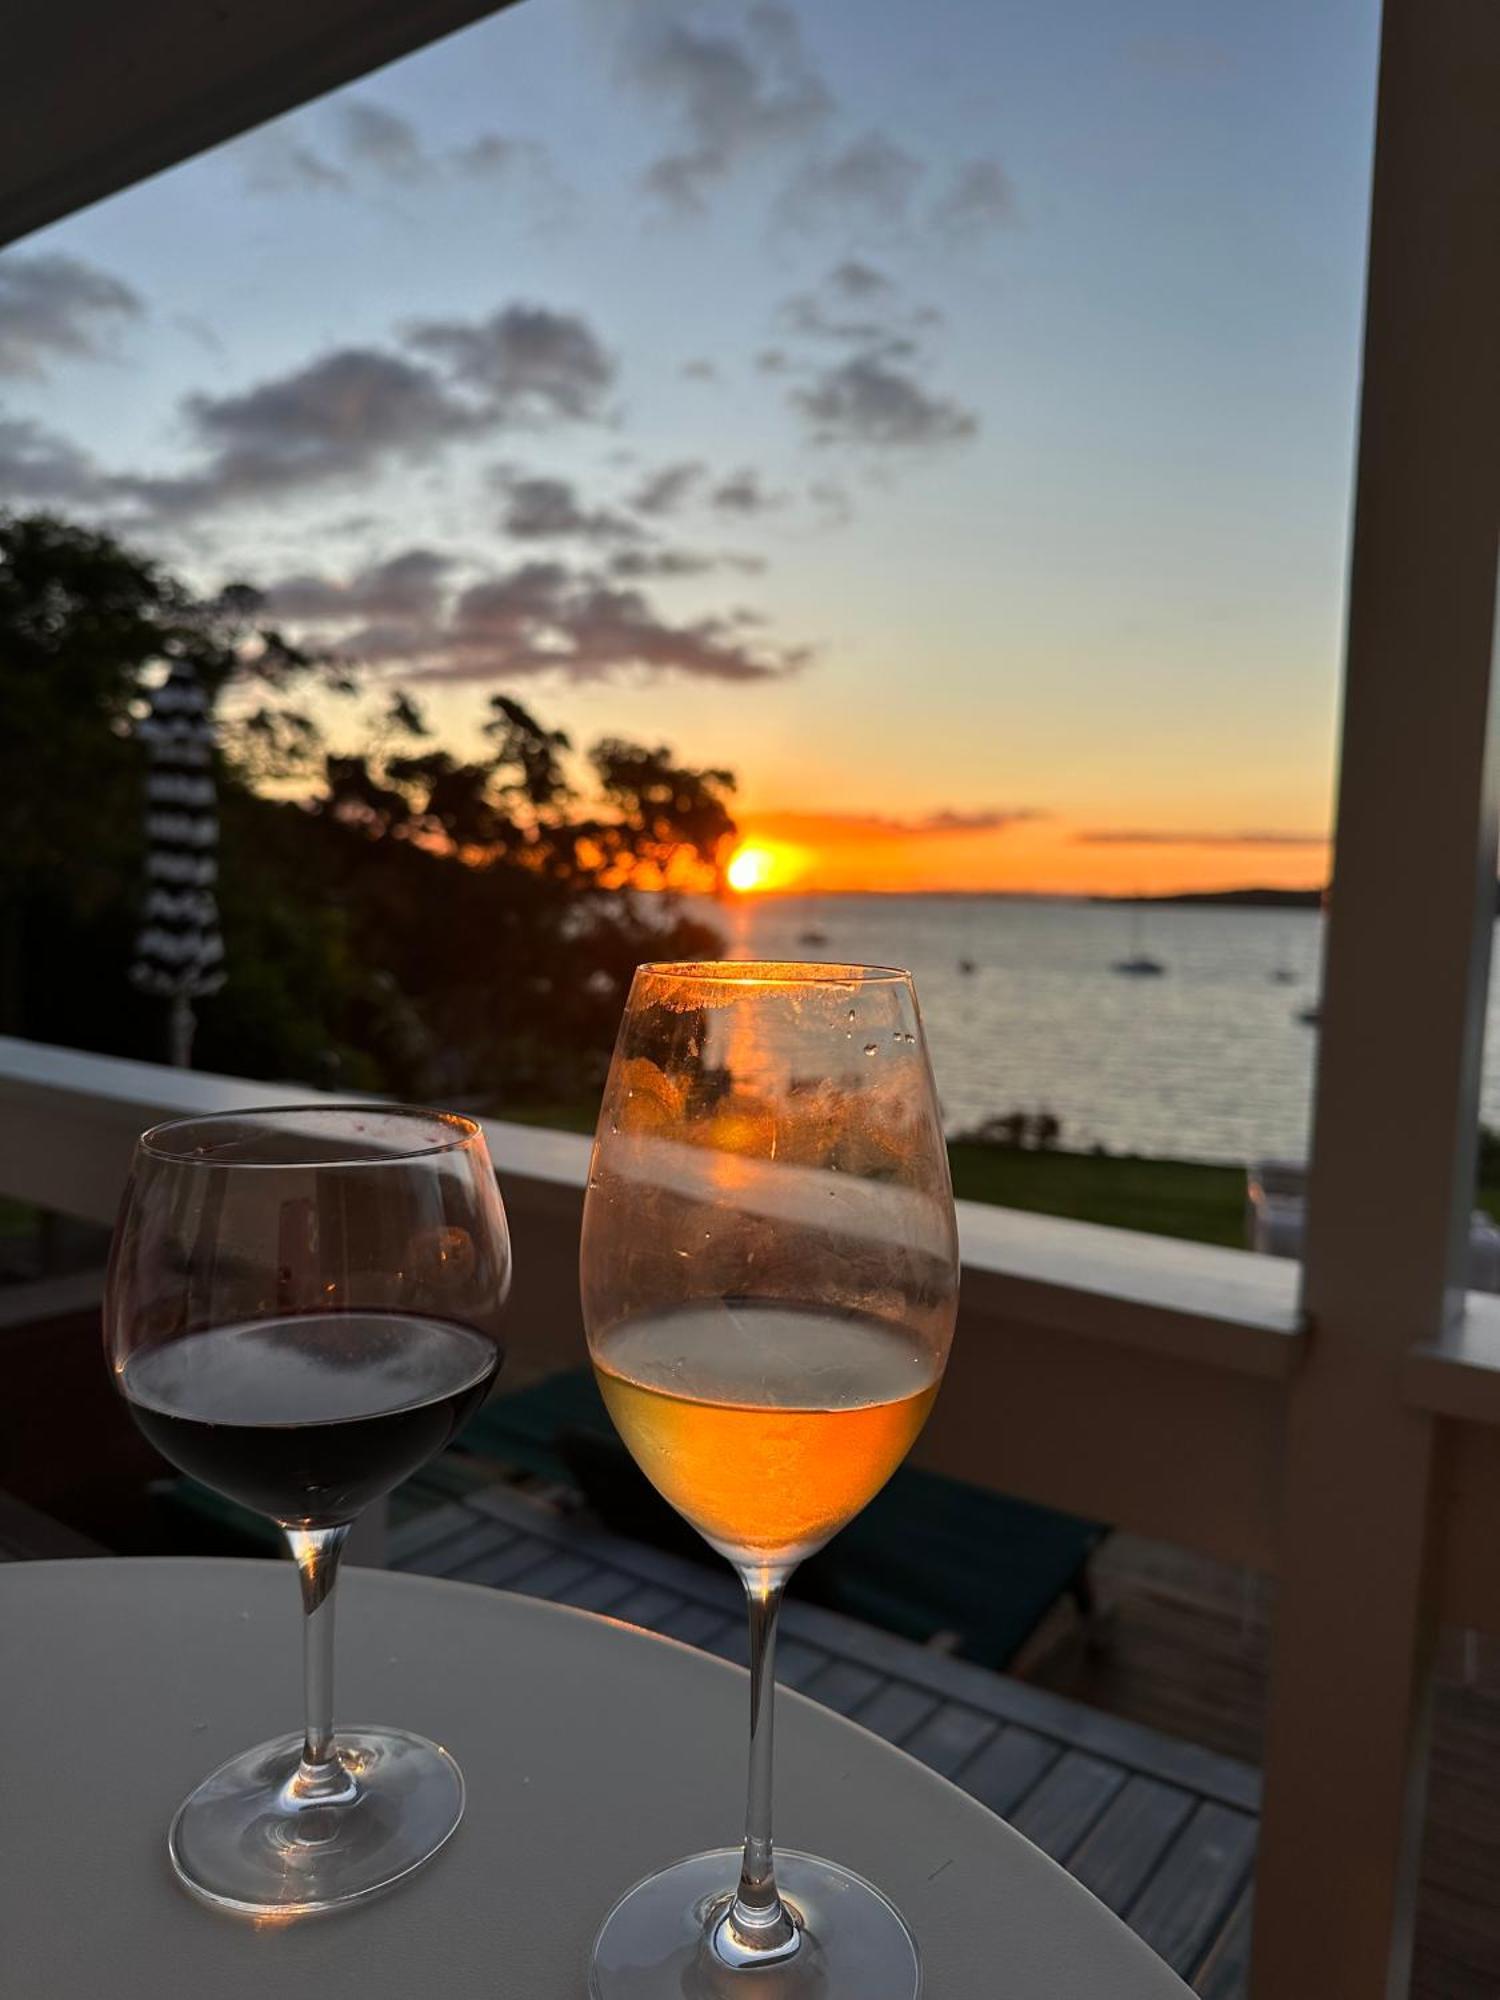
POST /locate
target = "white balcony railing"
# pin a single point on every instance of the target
(1059, 1320)
(1131, 1378)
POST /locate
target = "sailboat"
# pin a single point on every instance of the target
(1140, 964)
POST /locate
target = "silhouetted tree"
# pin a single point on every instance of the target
(396, 916)
(82, 622)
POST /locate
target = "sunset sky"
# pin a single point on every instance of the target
(941, 415)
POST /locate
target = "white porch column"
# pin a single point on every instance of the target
(1406, 979)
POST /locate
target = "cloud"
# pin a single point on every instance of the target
(731, 98)
(349, 404)
(867, 184)
(977, 200)
(546, 617)
(341, 414)
(874, 396)
(408, 586)
(345, 413)
(41, 468)
(871, 186)
(639, 564)
(52, 305)
(376, 137)
(743, 493)
(543, 509)
(884, 328)
(668, 489)
(277, 163)
(884, 826)
(368, 143)
(804, 313)
(356, 409)
(1164, 837)
(542, 617)
(665, 490)
(201, 332)
(492, 153)
(988, 819)
(533, 363)
(854, 279)
(499, 160)
(867, 400)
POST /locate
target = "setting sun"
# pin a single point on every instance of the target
(751, 868)
(758, 864)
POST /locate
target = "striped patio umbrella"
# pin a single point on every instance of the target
(179, 953)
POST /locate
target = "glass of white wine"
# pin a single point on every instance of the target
(770, 1278)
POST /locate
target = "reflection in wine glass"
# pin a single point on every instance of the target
(769, 1280)
(303, 1308)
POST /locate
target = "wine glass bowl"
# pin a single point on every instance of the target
(303, 1307)
(769, 1281)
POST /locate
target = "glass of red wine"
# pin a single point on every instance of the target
(302, 1309)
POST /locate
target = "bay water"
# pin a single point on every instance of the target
(1209, 1061)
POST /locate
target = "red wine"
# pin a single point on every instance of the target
(311, 1417)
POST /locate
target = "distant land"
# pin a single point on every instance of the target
(1242, 899)
(1239, 899)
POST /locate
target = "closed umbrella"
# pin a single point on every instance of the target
(179, 953)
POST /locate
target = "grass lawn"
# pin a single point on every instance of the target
(1161, 1197)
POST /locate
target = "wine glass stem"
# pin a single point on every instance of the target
(317, 1550)
(757, 1917)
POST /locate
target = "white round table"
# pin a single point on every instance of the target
(594, 1752)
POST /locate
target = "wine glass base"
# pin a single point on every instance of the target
(244, 1842)
(658, 1938)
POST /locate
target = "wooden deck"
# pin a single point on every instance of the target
(1159, 1829)
(1186, 1649)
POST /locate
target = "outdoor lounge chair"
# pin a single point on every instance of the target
(929, 1557)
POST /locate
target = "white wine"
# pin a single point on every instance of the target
(767, 1426)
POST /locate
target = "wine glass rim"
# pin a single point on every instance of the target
(775, 972)
(164, 1141)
